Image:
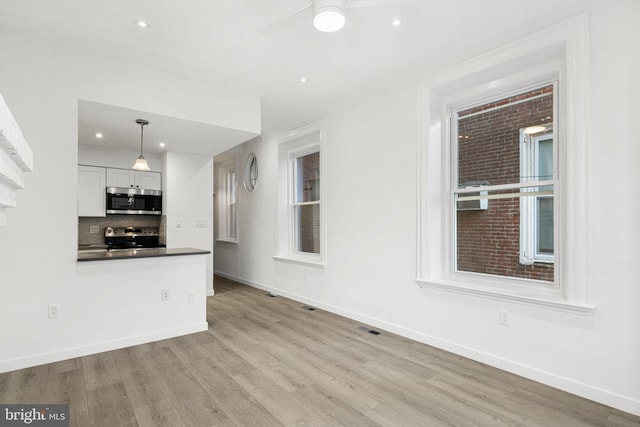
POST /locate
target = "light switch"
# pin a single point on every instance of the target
(178, 222)
(201, 223)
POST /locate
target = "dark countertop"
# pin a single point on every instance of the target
(103, 254)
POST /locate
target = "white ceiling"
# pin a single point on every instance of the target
(219, 41)
(120, 131)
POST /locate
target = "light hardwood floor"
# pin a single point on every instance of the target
(269, 362)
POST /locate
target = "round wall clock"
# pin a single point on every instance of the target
(251, 172)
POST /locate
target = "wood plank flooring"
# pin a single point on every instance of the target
(268, 362)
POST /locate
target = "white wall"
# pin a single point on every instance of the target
(188, 197)
(41, 83)
(371, 256)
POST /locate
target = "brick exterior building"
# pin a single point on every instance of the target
(309, 215)
(488, 241)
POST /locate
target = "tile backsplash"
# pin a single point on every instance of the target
(86, 224)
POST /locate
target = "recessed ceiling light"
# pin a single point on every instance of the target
(142, 24)
(303, 79)
(98, 135)
(396, 22)
(162, 145)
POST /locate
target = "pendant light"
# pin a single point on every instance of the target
(141, 163)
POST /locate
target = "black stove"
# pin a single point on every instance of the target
(132, 237)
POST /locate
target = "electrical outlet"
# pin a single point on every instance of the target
(165, 295)
(54, 311)
(94, 229)
(191, 297)
(504, 317)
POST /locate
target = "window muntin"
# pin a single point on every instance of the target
(511, 230)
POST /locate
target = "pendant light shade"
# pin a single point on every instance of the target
(329, 15)
(141, 163)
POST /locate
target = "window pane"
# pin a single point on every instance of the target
(308, 178)
(488, 240)
(545, 225)
(233, 182)
(307, 225)
(233, 221)
(545, 159)
(488, 150)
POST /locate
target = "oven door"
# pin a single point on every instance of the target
(133, 201)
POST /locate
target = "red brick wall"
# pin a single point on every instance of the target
(309, 225)
(488, 241)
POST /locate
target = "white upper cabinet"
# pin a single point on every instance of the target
(125, 178)
(120, 178)
(148, 180)
(91, 191)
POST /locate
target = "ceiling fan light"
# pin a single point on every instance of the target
(141, 164)
(328, 18)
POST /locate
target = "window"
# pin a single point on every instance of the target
(301, 215)
(502, 156)
(502, 211)
(227, 200)
(306, 201)
(232, 206)
(537, 212)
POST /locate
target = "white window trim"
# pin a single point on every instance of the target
(305, 140)
(561, 52)
(222, 199)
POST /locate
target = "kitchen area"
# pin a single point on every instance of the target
(120, 215)
(145, 236)
(145, 184)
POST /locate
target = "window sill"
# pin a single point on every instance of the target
(227, 241)
(301, 261)
(553, 304)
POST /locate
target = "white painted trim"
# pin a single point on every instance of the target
(297, 142)
(69, 353)
(561, 51)
(299, 260)
(615, 400)
(558, 305)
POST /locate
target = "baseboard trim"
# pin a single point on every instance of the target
(623, 403)
(85, 350)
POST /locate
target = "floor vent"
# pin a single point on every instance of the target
(367, 330)
(308, 308)
(270, 295)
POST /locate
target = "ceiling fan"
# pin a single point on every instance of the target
(328, 15)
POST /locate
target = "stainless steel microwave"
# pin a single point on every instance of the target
(133, 201)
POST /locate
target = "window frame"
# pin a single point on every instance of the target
(484, 192)
(560, 52)
(294, 203)
(300, 142)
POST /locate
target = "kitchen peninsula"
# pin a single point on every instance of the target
(105, 254)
